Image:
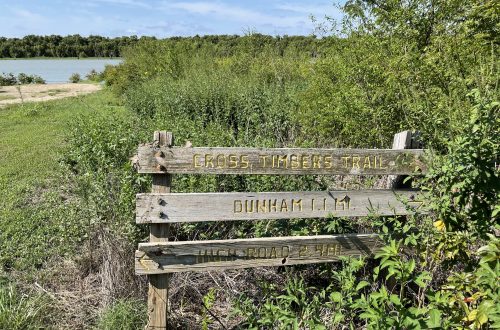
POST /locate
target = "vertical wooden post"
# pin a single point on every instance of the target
(403, 140)
(158, 284)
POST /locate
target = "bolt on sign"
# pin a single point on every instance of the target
(159, 257)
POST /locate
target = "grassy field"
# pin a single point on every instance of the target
(35, 213)
(32, 140)
(32, 135)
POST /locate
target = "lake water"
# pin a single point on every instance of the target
(55, 70)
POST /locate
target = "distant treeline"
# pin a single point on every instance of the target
(97, 46)
(68, 46)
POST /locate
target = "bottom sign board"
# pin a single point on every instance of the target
(172, 257)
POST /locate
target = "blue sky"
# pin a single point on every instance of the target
(161, 18)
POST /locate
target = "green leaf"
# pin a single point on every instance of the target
(361, 285)
(336, 296)
(434, 319)
(395, 300)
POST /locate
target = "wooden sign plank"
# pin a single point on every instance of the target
(154, 159)
(172, 257)
(193, 207)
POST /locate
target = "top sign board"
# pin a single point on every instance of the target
(283, 161)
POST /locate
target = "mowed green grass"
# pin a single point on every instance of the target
(33, 135)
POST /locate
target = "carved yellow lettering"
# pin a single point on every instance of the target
(297, 203)
(196, 161)
(347, 202)
(275, 160)
(238, 206)
(283, 160)
(328, 161)
(251, 253)
(199, 257)
(284, 206)
(294, 163)
(244, 161)
(273, 252)
(355, 161)
(209, 160)
(320, 249)
(233, 161)
(312, 204)
(285, 251)
(380, 162)
(272, 206)
(333, 250)
(262, 207)
(367, 163)
(262, 252)
(208, 255)
(217, 256)
(221, 161)
(303, 250)
(346, 161)
(344, 203)
(305, 161)
(249, 206)
(263, 160)
(338, 204)
(316, 161)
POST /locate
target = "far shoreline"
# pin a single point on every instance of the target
(58, 58)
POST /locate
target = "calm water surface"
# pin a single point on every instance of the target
(55, 70)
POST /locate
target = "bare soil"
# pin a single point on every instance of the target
(37, 93)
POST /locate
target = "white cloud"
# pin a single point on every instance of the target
(27, 15)
(134, 3)
(308, 9)
(238, 14)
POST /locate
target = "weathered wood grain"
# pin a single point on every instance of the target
(172, 257)
(193, 207)
(158, 284)
(403, 140)
(154, 159)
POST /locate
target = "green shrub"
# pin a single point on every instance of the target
(30, 79)
(431, 273)
(99, 155)
(95, 76)
(8, 79)
(75, 78)
(465, 176)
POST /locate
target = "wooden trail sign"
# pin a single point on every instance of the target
(153, 159)
(160, 257)
(193, 207)
(172, 257)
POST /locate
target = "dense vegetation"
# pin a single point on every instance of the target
(421, 65)
(22, 78)
(97, 46)
(67, 46)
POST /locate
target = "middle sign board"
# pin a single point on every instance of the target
(194, 207)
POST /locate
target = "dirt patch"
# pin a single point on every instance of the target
(37, 93)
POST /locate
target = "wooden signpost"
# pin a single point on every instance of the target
(160, 257)
(155, 160)
(155, 258)
(195, 207)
